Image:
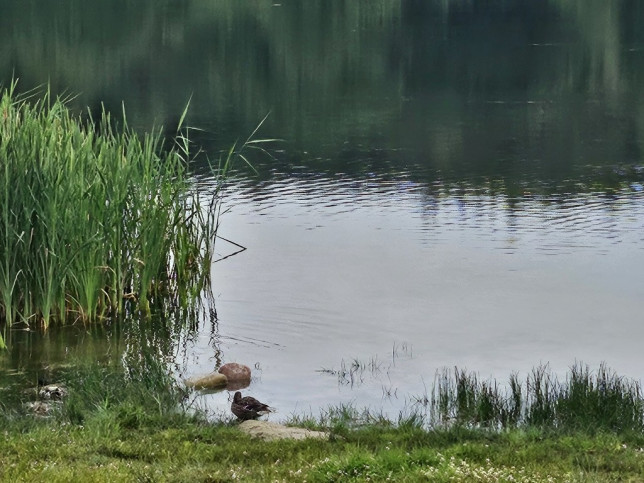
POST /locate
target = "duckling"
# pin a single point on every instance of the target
(248, 407)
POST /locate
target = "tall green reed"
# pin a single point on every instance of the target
(92, 216)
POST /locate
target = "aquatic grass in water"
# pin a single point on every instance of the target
(585, 401)
(352, 373)
(604, 396)
(134, 394)
(92, 216)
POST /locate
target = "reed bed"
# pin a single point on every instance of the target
(585, 401)
(95, 221)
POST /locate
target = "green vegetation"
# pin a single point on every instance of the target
(586, 401)
(94, 220)
(136, 423)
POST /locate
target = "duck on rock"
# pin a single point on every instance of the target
(248, 407)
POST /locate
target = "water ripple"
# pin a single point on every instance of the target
(552, 224)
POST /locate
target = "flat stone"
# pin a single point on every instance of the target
(210, 381)
(267, 431)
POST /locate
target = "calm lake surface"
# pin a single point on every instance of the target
(456, 183)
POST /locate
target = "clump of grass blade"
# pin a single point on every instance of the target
(602, 399)
(586, 401)
(95, 218)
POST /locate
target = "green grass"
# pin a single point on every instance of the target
(125, 424)
(95, 221)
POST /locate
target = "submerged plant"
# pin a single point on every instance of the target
(94, 220)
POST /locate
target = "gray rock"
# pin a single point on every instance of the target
(52, 391)
(267, 431)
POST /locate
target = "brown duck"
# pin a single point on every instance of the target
(248, 407)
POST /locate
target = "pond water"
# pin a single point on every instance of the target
(456, 184)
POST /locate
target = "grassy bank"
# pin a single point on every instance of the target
(94, 220)
(178, 450)
(136, 425)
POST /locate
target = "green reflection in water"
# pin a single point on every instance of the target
(35, 357)
(527, 92)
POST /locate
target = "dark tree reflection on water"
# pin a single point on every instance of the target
(505, 89)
